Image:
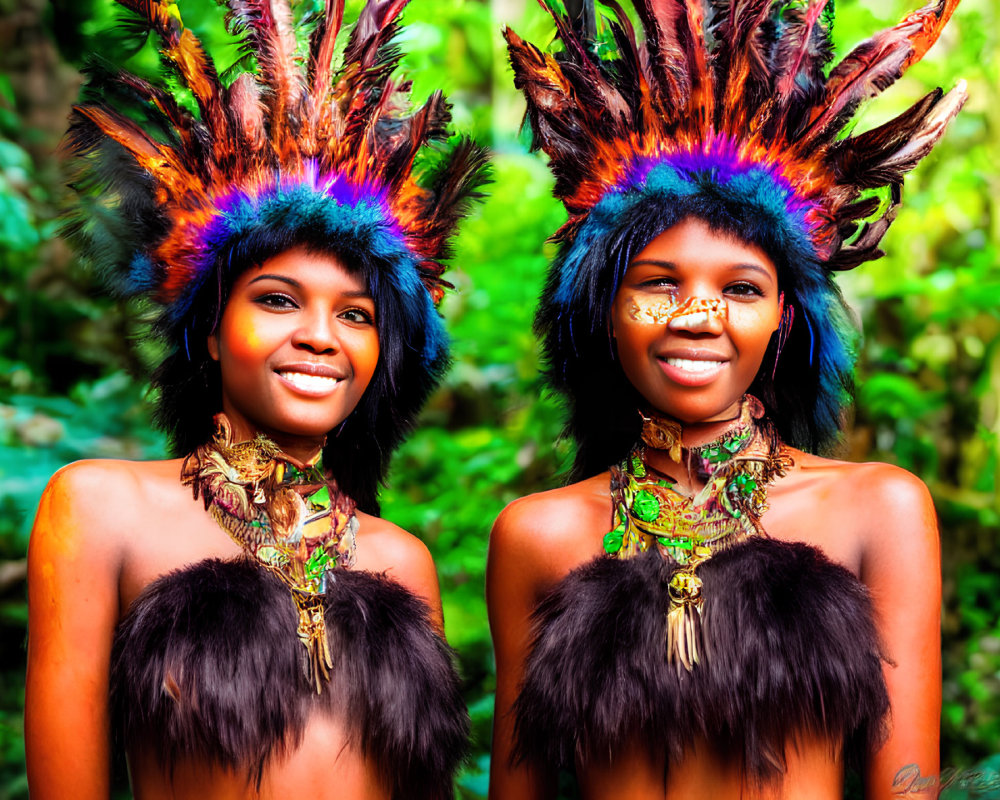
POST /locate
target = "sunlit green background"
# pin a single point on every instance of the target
(929, 373)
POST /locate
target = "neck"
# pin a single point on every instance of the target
(301, 448)
(661, 462)
(696, 434)
(304, 449)
(667, 461)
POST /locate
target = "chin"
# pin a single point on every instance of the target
(311, 429)
(305, 425)
(697, 410)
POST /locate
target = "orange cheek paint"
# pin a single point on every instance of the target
(241, 334)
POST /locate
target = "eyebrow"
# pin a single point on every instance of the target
(358, 293)
(671, 265)
(282, 278)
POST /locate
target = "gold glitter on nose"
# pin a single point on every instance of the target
(693, 311)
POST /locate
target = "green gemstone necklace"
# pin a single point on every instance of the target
(288, 515)
(650, 511)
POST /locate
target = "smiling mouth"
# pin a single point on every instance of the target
(691, 372)
(314, 384)
(696, 366)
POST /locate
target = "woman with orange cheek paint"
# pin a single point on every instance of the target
(239, 620)
(713, 607)
(297, 346)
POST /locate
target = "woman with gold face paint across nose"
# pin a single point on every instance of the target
(239, 620)
(711, 609)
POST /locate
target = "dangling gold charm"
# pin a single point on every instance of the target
(684, 618)
(687, 530)
(312, 633)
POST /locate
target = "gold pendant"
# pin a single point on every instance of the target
(312, 633)
(684, 619)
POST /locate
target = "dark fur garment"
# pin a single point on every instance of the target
(207, 664)
(789, 645)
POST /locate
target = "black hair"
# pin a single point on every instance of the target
(812, 379)
(188, 382)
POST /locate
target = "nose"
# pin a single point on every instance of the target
(315, 332)
(699, 315)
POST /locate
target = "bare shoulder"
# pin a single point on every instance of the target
(891, 486)
(385, 547)
(563, 517)
(904, 530)
(89, 517)
(895, 504)
(869, 482)
(101, 480)
(104, 503)
(93, 478)
(92, 497)
(383, 544)
(545, 535)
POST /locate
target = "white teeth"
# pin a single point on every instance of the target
(689, 365)
(311, 383)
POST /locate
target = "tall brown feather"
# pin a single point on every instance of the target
(875, 64)
(196, 69)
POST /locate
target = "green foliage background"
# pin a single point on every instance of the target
(929, 371)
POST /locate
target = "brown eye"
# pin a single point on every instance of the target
(744, 289)
(359, 316)
(276, 300)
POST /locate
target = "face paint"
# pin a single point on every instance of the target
(691, 312)
(246, 341)
(249, 333)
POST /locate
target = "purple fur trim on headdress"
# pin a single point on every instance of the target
(338, 188)
(758, 188)
(721, 161)
(334, 203)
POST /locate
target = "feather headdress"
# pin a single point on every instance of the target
(314, 147)
(735, 88)
(298, 144)
(726, 109)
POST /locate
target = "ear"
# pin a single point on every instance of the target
(212, 344)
